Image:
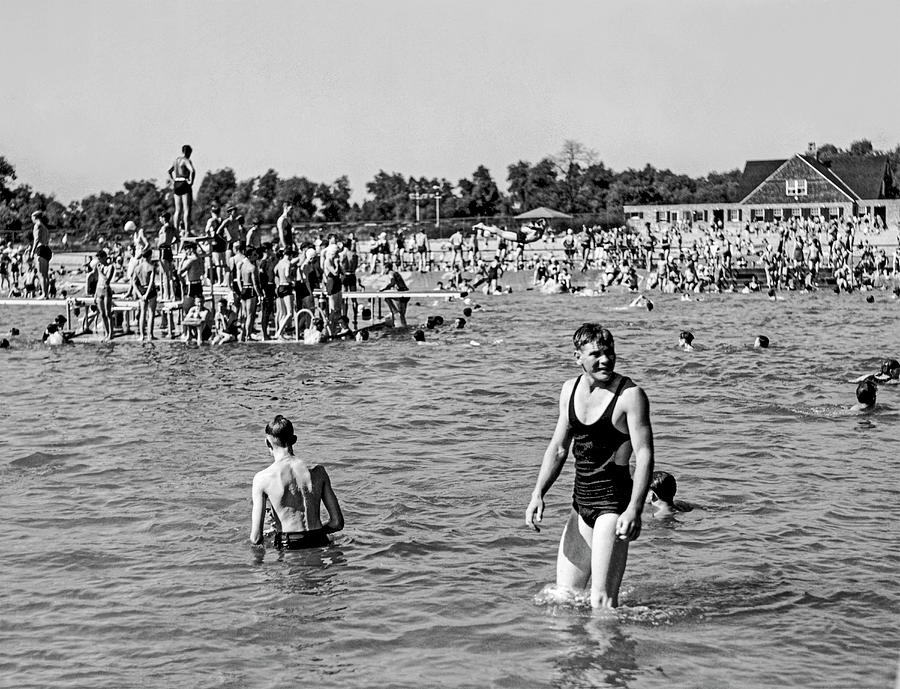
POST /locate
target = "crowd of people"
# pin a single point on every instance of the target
(278, 284)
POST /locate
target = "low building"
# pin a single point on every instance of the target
(799, 187)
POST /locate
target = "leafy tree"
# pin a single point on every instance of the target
(334, 199)
(216, 187)
(7, 175)
(827, 152)
(300, 192)
(570, 163)
(390, 196)
(520, 186)
(863, 147)
(480, 195)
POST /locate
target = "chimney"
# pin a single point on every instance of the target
(811, 150)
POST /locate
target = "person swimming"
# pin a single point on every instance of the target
(890, 372)
(761, 342)
(685, 340)
(866, 393)
(888, 375)
(661, 495)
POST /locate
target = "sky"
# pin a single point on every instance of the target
(97, 92)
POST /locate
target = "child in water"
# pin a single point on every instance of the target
(662, 495)
(865, 396)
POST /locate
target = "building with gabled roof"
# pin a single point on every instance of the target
(802, 186)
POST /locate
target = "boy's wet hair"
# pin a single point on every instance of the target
(282, 431)
(592, 332)
(866, 391)
(687, 336)
(664, 485)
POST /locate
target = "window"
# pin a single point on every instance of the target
(795, 187)
(836, 212)
(734, 215)
(796, 212)
(759, 214)
(662, 216)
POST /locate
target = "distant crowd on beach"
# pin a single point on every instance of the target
(238, 281)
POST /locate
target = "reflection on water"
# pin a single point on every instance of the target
(124, 490)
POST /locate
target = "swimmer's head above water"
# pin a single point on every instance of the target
(866, 392)
(662, 487)
(685, 337)
(890, 368)
(762, 342)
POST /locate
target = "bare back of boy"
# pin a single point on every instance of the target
(296, 491)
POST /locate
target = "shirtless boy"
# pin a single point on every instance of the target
(143, 287)
(40, 249)
(182, 174)
(295, 489)
(605, 418)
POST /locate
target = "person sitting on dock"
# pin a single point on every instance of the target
(226, 324)
(197, 323)
(295, 489)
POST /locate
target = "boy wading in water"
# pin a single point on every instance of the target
(295, 489)
(605, 418)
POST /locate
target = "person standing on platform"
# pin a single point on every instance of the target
(40, 249)
(285, 229)
(104, 271)
(165, 240)
(143, 287)
(605, 418)
(331, 275)
(182, 174)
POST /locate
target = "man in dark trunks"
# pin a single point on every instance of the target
(605, 418)
(182, 174)
(40, 249)
(295, 489)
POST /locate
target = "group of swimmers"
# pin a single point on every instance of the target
(604, 418)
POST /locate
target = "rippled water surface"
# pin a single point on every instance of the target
(125, 504)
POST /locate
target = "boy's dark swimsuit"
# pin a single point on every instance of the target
(298, 540)
(601, 485)
(181, 186)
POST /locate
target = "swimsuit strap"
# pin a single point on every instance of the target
(608, 412)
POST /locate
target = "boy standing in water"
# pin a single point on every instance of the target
(605, 418)
(295, 489)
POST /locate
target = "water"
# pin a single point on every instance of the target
(125, 501)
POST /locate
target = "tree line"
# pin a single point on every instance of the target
(573, 180)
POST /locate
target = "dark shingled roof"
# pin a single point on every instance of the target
(755, 173)
(864, 175)
(829, 174)
(858, 177)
